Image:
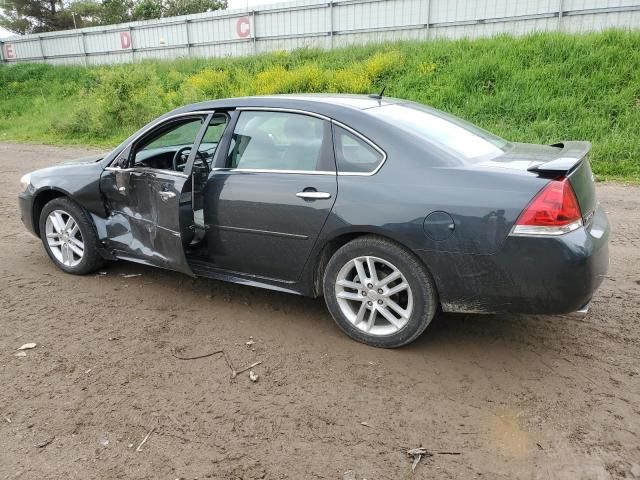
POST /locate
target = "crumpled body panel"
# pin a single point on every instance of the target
(144, 224)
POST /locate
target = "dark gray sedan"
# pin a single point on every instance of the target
(389, 209)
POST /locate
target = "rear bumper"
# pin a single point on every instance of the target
(533, 275)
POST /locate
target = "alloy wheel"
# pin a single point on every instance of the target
(374, 295)
(64, 238)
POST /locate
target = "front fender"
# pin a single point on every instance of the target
(78, 181)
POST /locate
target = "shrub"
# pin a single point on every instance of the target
(278, 79)
(208, 83)
(122, 98)
(542, 88)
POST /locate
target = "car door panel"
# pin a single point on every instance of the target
(257, 224)
(150, 208)
(144, 224)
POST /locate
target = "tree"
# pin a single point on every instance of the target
(150, 9)
(147, 9)
(187, 7)
(34, 16)
(115, 11)
(85, 13)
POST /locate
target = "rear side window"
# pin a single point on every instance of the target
(353, 154)
(280, 141)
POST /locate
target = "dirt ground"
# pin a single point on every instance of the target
(493, 397)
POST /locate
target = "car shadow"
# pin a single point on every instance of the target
(446, 330)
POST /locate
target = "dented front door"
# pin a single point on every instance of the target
(148, 210)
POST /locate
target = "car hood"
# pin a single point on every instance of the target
(89, 167)
(80, 166)
(90, 159)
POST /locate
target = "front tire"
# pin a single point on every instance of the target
(379, 293)
(69, 237)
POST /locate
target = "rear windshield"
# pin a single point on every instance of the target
(441, 129)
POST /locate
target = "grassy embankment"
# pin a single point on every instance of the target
(540, 88)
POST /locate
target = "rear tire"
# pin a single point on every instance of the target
(69, 237)
(395, 303)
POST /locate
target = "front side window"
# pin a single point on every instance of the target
(212, 137)
(280, 141)
(163, 146)
(353, 154)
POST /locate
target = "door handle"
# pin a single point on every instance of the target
(313, 195)
(166, 195)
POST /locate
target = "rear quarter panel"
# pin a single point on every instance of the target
(484, 204)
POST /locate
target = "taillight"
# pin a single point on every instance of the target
(553, 211)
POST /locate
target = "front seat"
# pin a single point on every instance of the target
(256, 151)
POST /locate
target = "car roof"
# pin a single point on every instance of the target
(321, 103)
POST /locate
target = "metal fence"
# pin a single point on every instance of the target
(311, 23)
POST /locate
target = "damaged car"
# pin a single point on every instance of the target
(388, 209)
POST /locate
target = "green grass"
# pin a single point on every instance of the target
(542, 88)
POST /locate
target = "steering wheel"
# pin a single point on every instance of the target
(180, 160)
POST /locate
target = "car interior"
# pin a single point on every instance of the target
(169, 148)
(277, 143)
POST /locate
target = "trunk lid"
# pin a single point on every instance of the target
(566, 159)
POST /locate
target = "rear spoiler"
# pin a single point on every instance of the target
(569, 158)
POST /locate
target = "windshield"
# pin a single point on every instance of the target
(443, 130)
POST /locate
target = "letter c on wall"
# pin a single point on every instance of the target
(243, 27)
(125, 40)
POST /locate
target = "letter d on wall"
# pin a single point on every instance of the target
(125, 40)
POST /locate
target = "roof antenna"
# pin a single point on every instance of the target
(379, 95)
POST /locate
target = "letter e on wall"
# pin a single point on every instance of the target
(243, 27)
(125, 40)
(9, 51)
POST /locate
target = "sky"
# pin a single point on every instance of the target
(250, 3)
(4, 33)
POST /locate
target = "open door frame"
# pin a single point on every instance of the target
(145, 204)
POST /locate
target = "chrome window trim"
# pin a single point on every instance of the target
(284, 110)
(323, 117)
(147, 169)
(266, 170)
(147, 130)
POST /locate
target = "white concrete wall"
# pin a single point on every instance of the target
(286, 26)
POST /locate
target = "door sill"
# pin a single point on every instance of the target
(204, 268)
(127, 257)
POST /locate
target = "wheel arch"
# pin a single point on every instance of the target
(331, 245)
(41, 198)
